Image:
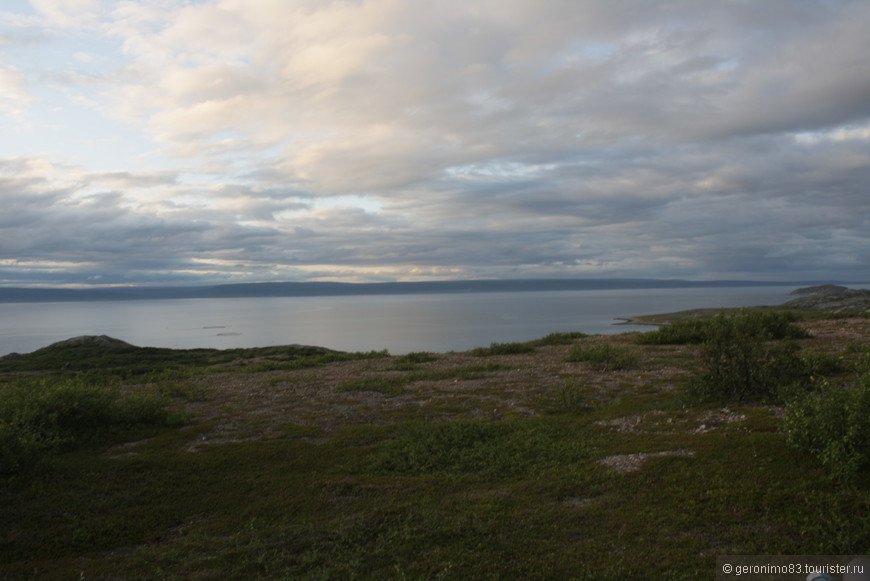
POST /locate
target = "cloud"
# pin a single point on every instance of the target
(390, 138)
(67, 13)
(344, 87)
(52, 220)
(14, 97)
(810, 78)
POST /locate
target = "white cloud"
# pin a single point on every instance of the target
(14, 97)
(67, 13)
(851, 133)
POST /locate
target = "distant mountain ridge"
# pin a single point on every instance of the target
(299, 289)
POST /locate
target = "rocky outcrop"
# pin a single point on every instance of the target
(831, 299)
(83, 340)
(97, 340)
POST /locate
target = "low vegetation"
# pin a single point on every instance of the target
(527, 346)
(467, 451)
(128, 362)
(747, 355)
(44, 416)
(833, 424)
(569, 457)
(605, 356)
(755, 323)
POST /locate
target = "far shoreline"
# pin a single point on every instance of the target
(400, 324)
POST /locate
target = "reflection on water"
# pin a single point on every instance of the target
(399, 323)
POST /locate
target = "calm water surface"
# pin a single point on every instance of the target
(399, 323)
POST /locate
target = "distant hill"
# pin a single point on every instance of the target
(298, 289)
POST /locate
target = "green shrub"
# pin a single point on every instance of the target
(833, 424)
(411, 361)
(40, 417)
(820, 364)
(464, 373)
(306, 362)
(558, 339)
(742, 363)
(861, 363)
(503, 349)
(570, 396)
(687, 331)
(419, 357)
(390, 384)
(605, 356)
(19, 448)
(771, 324)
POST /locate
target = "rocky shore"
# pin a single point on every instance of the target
(831, 298)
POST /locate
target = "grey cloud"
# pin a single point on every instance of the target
(101, 235)
(126, 179)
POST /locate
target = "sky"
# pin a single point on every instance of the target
(168, 142)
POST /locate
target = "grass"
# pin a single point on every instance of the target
(399, 497)
(571, 396)
(293, 362)
(125, 362)
(605, 356)
(412, 361)
(39, 417)
(772, 324)
(395, 384)
(503, 349)
(475, 451)
(519, 500)
(527, 346)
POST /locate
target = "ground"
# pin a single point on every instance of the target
(259, 406)
(508, 462)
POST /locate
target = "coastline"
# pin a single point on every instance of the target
(400, 324)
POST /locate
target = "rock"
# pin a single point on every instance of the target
(831, 299)
(98, 340)
(824, 288)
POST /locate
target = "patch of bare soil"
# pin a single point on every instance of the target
(840, 333)
(632, 462)
(671, 422)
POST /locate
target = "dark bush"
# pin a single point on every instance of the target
(833, 424)
(744, 362)
(503, 349)
(558, 339)
(772, 325)
(820, 364)
(40, 417)
(687, 331)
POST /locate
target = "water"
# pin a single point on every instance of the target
(399, 323)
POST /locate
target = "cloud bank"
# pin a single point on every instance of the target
(230, 140)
